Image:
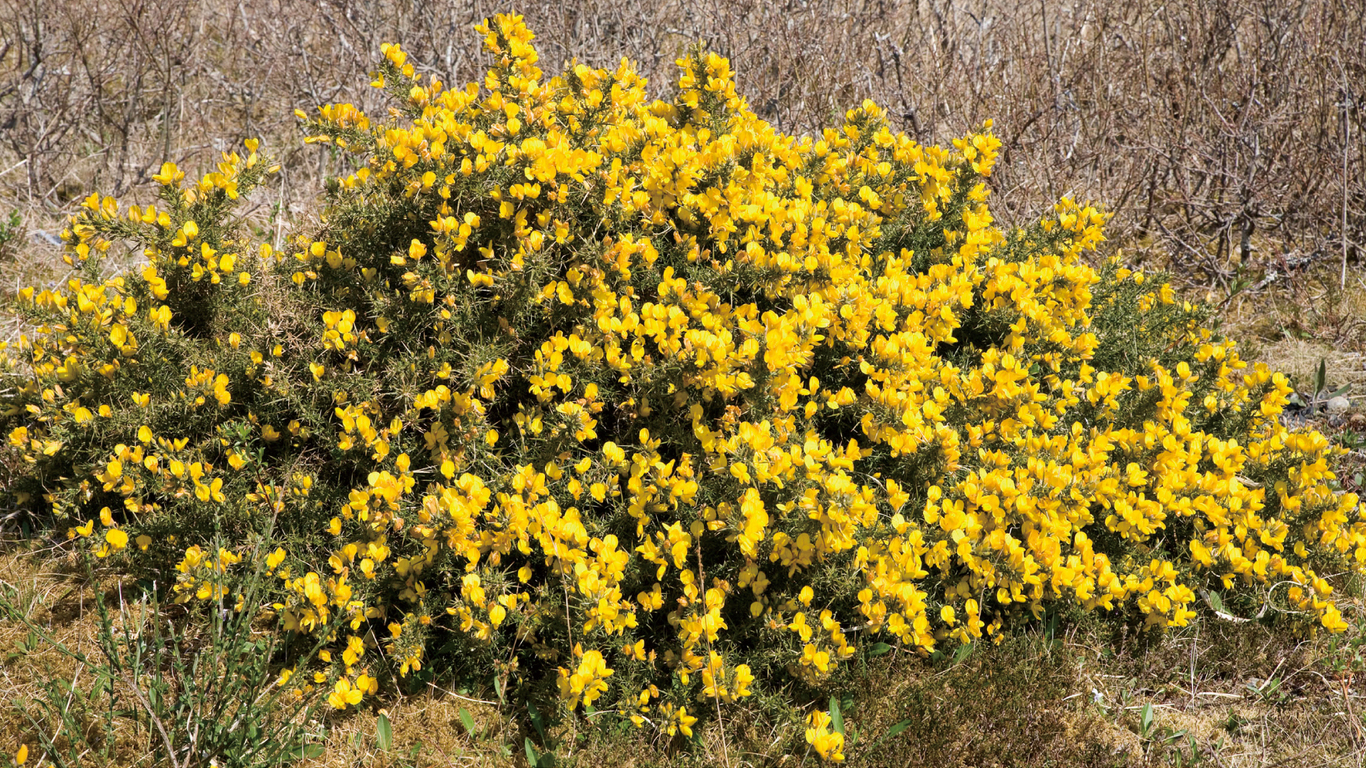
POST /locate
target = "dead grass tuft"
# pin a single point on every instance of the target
(1229, 694)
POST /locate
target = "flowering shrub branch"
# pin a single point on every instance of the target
(555, 346)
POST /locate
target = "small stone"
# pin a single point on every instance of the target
(1339, 404)
(1358, 420)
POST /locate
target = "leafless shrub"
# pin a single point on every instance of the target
(1225, 133)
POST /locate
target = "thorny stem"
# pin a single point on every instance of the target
(702, 590)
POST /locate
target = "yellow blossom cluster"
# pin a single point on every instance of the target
(829, 744)
(640, 392)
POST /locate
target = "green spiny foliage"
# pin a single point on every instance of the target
(649, 406)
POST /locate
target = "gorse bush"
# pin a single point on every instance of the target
(649, 406)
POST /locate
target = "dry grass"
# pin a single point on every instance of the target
(1244, 695)
(44, 584)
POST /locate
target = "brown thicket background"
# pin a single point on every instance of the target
(1226, 135)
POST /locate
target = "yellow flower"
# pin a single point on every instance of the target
(587, 682)
(345, 694)
(168, 175)
(210, 492)
(677, 721)
(828, 744)
(274, 559)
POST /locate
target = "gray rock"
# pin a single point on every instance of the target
(1339, 404)
(40, 236)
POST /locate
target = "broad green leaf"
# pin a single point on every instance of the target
(384, 733)
(467, 721)
(895, 729)
(536, 721)
(963, 652)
